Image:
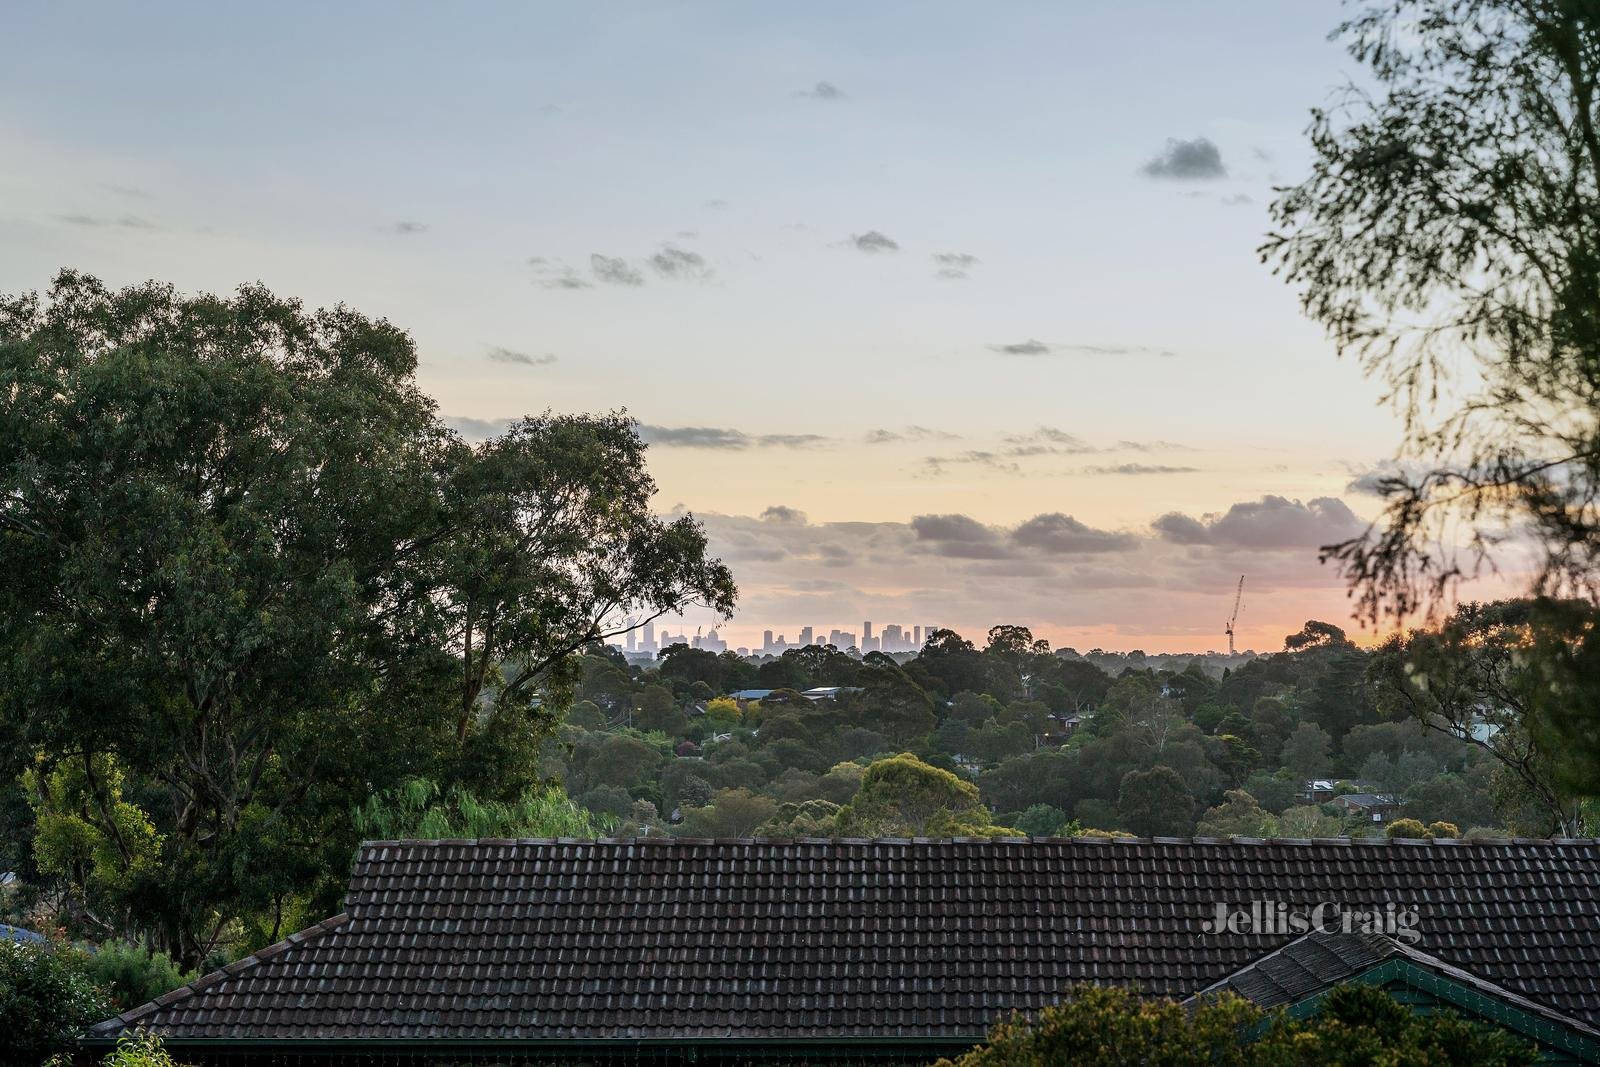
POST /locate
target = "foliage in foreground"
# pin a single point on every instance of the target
(46, 1001)
(140, 1049)
(1109, 1027)
(420, 810)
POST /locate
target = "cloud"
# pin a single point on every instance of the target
(874, 242)
(477, 429)
(785, 515)
(126, 190)
(406, 227)
(1238, 200)
(676, 263)
(1024, 348)
(822, 91)
(1196, 160)
(959, 537)
(1140, 468)
(717, 205)
(1060, 534)
(614, 270)
(1273, 522)
(554, 274)
(1370, 482)
(1047, 440)
(1036, 347)
(934, 466)
(498, 354)
(954, 266)
(126, 222)
(909, 433)
(722, 439)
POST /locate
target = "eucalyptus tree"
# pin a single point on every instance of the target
(1449, 236)
(250, 579)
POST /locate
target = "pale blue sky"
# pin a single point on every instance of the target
(413, 159)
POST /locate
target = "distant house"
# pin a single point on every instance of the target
(677, 952)
(1323, 790)
(829, 692)
(744, 696)
(18, 934)
(1372, 807)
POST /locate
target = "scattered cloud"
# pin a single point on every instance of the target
(959, 537)
(1237, 200)
(717, 205)
(910, 433)
(723, 439)
(499, 354)
(787, 516)
(679, 264)
(1196, 160)
(1370, 482)
(614, 270)
(1047, 440)
(822, 91)
(406, 227)
(1036, 347)
(1024, 348)
(954, 266)
(1060, 534)
(126, 222)
(1273, 522)
(126, 190)
(555, 274)
(872, 241)
(1140, 468)
(477, 429)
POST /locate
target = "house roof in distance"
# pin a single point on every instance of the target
(815, 940)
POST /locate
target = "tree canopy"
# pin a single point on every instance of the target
(252, 578)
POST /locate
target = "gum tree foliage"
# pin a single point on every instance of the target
(249, 568)
(1515, 679)
(1449, 238)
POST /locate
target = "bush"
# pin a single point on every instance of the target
(1357, 1024)
(1409, 828)
(1443, 829)
(46, 1002)
(132, 975)
(139, 1049)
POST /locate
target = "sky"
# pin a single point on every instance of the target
(933, 313)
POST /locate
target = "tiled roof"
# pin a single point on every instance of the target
(662, 938)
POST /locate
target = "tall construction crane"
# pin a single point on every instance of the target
(1238, 598)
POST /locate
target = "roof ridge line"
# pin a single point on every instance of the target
(238, 966)
(665, 841)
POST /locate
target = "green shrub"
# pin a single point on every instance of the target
(140, 1049)
(1411, 828)
(132, 975)
(1443, 829)
(46, 1002)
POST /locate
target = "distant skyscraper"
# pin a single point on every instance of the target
(866, 631)
(649, 643)
(805, 636)
(916, 636)
(766, 641)
(630, 640)
(893, 639)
